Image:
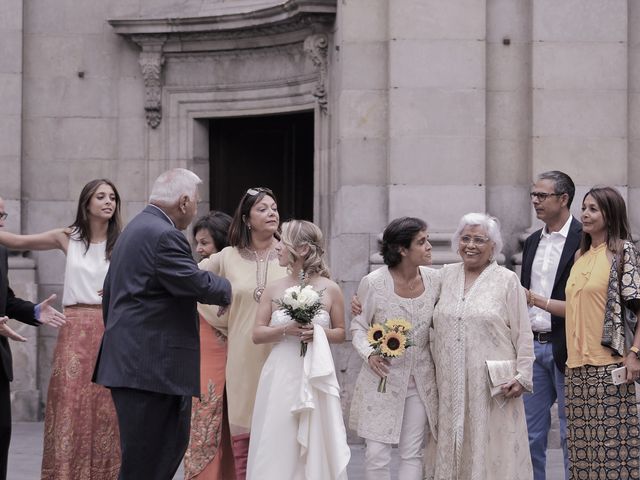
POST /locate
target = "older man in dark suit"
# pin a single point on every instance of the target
(150, 352)
(547, 259)
(23, 311)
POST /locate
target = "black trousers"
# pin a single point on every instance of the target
(5, 424)
(154, 433)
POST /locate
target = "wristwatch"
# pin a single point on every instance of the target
(635, 350)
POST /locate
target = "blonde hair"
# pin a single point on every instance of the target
(300, 233)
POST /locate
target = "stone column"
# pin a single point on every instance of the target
(579, 81)
(437, 115)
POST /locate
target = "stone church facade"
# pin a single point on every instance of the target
(358, 111)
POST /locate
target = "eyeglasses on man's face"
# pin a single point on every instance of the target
(479, 241)
(542, 196)
(3, 215)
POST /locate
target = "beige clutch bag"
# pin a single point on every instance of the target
(500, 372)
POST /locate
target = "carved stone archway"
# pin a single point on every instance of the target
(233, 59)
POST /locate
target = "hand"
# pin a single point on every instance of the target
(379, 365)
(632, 363)
(306, 333)
(356, 306)
(513, 389)
(7, 331)
(49, 315)
(101, 292)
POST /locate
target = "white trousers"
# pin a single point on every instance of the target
(414, 425)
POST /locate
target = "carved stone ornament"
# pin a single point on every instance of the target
(315, 47)
(151, 61)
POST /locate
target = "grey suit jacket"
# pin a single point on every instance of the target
(151, 340)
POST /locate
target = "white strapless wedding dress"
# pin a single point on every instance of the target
(297, 430)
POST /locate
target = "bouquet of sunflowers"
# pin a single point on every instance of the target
(390, 340)
(302, 303)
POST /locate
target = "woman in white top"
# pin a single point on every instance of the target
(81, 438)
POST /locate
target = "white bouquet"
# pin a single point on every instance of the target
(302, 303)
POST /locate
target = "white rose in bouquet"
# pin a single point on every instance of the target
(290, 297)
(308, 296)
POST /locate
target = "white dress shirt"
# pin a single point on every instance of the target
(543, 272)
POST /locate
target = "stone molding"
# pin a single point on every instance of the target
(220, 29)
(151, 61)
(316, 48)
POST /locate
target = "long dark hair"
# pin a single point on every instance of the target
(239, 233)
(217, 224)
(614, 214)
(81, 227)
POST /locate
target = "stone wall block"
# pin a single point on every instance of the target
(364, 66)
(507, 159)
(359, 209)
(580, 157)
(363, 161)
(426, 203)
(437, 20)
(130, 101)
(508, 67)
(509, 115)
(10, 98)
(11, 18)
(61, 54)
(131, 137)
(420, 112)
(362, 113)
(10, 129)
(86, 138)
(10, 52)
(363, 21)
(9, 182)
(349, 256)
(450, 64)
(575, 113)
(580, 66)
(580, 20)
(509, 19)
(436, 160)
(633, 177)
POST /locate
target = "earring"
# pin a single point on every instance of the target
(249, 226)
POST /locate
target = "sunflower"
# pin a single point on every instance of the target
(393, 344)
(398, 324)
(375, 334)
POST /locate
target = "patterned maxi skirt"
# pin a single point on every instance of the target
(209, 455)
(81, 437)
(603, 437)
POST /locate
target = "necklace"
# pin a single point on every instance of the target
(411, 284)
(262, 269)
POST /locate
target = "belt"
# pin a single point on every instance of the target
(542, 337)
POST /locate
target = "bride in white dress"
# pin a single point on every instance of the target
(297, 430)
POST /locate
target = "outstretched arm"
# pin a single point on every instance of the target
(56, 239)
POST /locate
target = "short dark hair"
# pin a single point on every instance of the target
(239, 234)
(614, 213)
(399, 233)
(562, 183)
(217, 224)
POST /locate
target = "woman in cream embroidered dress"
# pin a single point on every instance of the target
(209, 456)
(297, 430)
(81, 438)
(249, 263)
(406, 289)
(481, 315)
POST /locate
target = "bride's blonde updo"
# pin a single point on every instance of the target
(300, 233)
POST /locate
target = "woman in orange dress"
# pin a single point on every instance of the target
(209, 455)
(81, 436)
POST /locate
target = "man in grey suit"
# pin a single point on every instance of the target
(150, 352)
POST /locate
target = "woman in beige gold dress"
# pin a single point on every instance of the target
(249, 263)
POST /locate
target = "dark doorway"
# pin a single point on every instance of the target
(274, 151)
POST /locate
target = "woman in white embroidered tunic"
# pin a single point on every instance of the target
(481, 315)
(297, 431)
(406, 289)
(81, 438)
(250, 263)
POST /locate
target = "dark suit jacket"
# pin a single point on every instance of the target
(151, 340)
(558, 335)
(12, 307)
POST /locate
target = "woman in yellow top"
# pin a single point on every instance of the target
(603, 299)
(249, 262)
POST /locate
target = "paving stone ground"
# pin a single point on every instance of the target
(26, 453)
